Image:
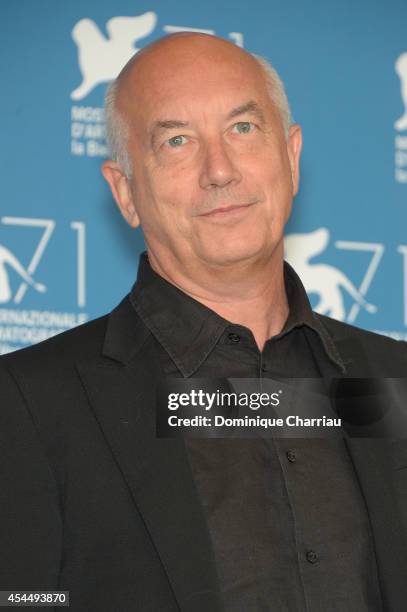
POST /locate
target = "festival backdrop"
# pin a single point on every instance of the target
(66, 255)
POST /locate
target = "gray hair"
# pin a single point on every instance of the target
(117, 128)
(276, 91)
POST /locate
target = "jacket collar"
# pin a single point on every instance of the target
(125, 333)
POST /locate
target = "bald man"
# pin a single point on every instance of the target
(206, 159)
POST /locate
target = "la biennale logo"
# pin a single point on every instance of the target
(400, 125)
(9, 263)
(20, 323)
(328, 282)
(100, 58)
(401, 69)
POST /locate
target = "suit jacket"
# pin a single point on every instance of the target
(93, 503)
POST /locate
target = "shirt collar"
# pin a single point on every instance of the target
(189, 331)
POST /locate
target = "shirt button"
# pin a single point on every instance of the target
(291, 456)
(234, 337)
(311, 556)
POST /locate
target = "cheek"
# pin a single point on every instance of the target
(274, 179)
(166, 180)
(277, 175)
(166, 207)
(175, 190)
(163, 197)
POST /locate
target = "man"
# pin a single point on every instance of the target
(207, 162)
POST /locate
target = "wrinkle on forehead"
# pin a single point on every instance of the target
(183, 51)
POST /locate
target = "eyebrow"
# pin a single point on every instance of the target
(165, 124)
(168, 124)
(251, 108)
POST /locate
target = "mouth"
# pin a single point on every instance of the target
(227, 211)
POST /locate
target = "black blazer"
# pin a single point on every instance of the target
(93, 503)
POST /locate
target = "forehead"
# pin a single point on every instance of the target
(191, 80)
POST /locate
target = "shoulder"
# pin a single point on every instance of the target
(59, 352)
(43, 379)
(339, 330)
(387, 353)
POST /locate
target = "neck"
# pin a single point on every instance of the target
(250, 295)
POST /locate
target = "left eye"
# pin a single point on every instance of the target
(243, 127)
(176, 141)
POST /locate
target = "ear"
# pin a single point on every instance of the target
(121, 191)
(294, 145)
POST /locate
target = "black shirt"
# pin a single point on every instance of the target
(287, 519)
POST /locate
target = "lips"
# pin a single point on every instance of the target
(225, 210)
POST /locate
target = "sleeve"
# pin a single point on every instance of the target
(30, 517)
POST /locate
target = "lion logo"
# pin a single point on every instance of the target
(325, 280)
(100, 58)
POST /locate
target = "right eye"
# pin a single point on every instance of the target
(176, 141)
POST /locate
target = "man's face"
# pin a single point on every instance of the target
(213, 176)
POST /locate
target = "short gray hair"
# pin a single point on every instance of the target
(276, 91)
(117, 128)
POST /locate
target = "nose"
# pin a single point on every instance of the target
(218, 168)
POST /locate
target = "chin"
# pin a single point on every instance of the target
(227, 255)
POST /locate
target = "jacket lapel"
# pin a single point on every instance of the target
(377, 463)
(121, 391)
